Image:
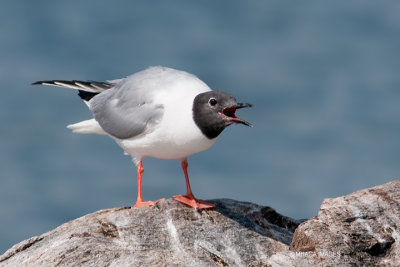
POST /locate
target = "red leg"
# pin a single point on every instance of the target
(189, 198)
(140, 202)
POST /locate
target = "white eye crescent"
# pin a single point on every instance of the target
(212, 101)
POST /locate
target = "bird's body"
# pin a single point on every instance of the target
(159, 112)
(160, 130)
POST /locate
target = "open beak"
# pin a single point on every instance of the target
(229, 113)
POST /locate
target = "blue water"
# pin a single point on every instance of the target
(323, 77)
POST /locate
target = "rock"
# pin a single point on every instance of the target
(168, 234)
(360, 229)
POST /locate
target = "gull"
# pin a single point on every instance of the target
(159, 112)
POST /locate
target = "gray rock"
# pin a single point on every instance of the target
(168, 234)
(360, 229)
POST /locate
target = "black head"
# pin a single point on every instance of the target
(213, 111)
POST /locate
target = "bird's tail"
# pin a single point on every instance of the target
(86, 127)
(86, 89)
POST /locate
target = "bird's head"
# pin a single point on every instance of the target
(213, 111)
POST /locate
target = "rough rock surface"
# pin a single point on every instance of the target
(168, 234)
(360, 229)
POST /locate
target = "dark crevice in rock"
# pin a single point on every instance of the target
(108, 229)
(22, 246)
(352, 219)
(275, 218)
(380, 249)
(214, 257)
(80, 235)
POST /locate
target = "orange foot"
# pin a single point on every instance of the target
(141, 203)
(191, 201)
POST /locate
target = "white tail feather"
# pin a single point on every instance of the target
(86, 127)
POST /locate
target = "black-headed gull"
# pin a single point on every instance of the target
(158, 112)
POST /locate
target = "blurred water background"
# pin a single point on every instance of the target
(324, 78)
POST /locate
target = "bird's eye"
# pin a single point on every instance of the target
(212, 101)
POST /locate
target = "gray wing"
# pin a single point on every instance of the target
(127, 109)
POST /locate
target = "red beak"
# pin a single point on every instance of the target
(229, 113)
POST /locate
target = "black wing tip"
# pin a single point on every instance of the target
(54, 82)
(51, 82)
(105, 85)
(38, 82)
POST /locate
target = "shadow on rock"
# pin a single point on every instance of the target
(260, 219)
